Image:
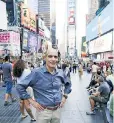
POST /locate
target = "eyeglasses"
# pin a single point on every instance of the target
(50, 56)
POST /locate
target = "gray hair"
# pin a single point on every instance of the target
(100, 79)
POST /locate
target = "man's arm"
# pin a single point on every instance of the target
(96, 94)
(67, 90)
(67, 85)
(100, 89)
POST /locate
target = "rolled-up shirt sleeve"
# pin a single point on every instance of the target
(24, 84)
(67, 84)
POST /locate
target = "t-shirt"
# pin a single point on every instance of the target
(104, 68)
(104, 90)
(7, 69)
(25, 73)
(94, 68)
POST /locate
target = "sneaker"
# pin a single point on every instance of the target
(7, 103)
(24, 116)
(87, 87)
(32, 119)
(91, 113)
(14, 100)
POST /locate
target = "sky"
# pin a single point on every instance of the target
(81, 11)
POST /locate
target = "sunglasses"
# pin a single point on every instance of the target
(50, 56)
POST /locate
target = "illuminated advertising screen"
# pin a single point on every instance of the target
(71, 12)
(32, 42)
(28, 18)
(9, 43)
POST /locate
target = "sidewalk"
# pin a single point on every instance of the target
(74, 110)
(8, 114)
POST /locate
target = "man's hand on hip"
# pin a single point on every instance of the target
(63, 102)
(36, 105)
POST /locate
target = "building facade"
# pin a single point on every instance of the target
(44, 11)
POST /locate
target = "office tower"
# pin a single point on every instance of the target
(44, 11)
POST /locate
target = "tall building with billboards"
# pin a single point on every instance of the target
(71, 28)
(44, 11)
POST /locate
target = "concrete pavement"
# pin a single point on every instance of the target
(74, 110)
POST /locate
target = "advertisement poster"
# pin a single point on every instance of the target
(32, 42)
(28, 18)
(9, 43)
(71, 12)
(25, 39)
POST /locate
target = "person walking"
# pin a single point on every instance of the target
(47, 83)
(94, 70)
(7, 77)
(74, 67)
(80, 70)
(20, 72)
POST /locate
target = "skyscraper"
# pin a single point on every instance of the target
(44, 11)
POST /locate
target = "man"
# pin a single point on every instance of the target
(47, 83)
(101, 96)
(7, 77)
(74, 67)
(94, 69)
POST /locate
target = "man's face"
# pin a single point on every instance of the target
(52, 58)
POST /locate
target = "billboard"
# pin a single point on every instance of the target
(41, 27)
(101, 23)
(25, 39)
(71, 12)
(101, 44)
(9, 43)
(3, 15)
(32, 42)
(28, 19)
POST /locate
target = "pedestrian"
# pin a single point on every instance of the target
(7, 77)
(47, 83)
(94, 69)
(104, 69)
(74, 67)
(80, 70)
(20, 72)
(66, 70)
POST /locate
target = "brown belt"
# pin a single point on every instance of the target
(51, 108)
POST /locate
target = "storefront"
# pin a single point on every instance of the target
(9, 43)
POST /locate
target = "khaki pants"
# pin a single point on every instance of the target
(48, 116)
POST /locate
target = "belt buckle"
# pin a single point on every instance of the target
(52, 108)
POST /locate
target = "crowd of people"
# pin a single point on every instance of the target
(101, 88)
